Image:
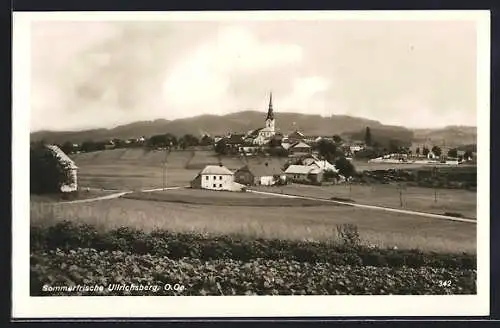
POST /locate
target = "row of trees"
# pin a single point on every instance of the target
(156, 141)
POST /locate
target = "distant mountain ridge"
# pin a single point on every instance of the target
(241, 122)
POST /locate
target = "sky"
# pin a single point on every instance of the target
(93, 74)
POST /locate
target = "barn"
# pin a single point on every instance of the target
(69, 166)
(266, 174)
(304, 173)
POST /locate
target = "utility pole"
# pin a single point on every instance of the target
(434, 174)
(164, 171)
(400, 189)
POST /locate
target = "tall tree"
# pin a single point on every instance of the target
(345, 167)
(67, 147)
(368, 136)
(327, 149)
(453, 152)
(337, 139)
(206, 140)
(436, 150)
(425, 151)
(221, 147)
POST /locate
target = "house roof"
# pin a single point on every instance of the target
(301, 145)
(216, 169)
(296, 134)
(235, 139)
(302, 169)
(262, 170)
(325, 165)
(254, 133)
(266, 129)
(62, 156)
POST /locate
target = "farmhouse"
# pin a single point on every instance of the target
(295, 137)
(69, 166)
(262, 174)
(300, 148)
(215, 177)
(324, 165)
(286, 145)
(304, 173)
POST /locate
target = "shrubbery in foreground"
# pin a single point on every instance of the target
(232, 277)
(78, 255)
(67, 235)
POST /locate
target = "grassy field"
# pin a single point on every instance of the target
(414, 198)
(297, 223)
(223, 198)
(135, 169)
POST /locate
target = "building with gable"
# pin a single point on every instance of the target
(216, 177)
(265, 174)
(68, 166)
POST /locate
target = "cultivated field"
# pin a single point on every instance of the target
(414, 198)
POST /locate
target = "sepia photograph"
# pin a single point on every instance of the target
(318, 154)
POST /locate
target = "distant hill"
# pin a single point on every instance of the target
(452, 136)
(240, 122)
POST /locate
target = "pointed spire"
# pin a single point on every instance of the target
(270, 113)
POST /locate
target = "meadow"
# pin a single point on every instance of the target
(413, 198)
(223, 198)
(290, 223)
(136, 169)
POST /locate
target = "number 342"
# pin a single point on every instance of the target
(444, 283)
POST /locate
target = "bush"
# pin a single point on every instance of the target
(349, 235)
(350, 250)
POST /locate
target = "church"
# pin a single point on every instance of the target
(262, 135)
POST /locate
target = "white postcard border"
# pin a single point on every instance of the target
(25, 306)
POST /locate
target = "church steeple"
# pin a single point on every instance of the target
(270, 113)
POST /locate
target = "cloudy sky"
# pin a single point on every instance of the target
(102, 74)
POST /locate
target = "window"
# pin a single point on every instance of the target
(220, 186)
(206, 178)
(215, 177)
(220, 177)
(215, 186)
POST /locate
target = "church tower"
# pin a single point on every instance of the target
(270, 115)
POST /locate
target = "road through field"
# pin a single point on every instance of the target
(115, 195)
(373, 207)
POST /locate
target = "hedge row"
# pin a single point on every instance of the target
(157, 275)
(66, 235)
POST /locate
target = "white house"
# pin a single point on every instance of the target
(215, 177)
(69, 166)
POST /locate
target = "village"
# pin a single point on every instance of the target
(282, 158)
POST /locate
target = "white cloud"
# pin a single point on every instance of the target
(202, 79)
(307, 95)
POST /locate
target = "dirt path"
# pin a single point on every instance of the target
(115, 195)
(373, 207)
